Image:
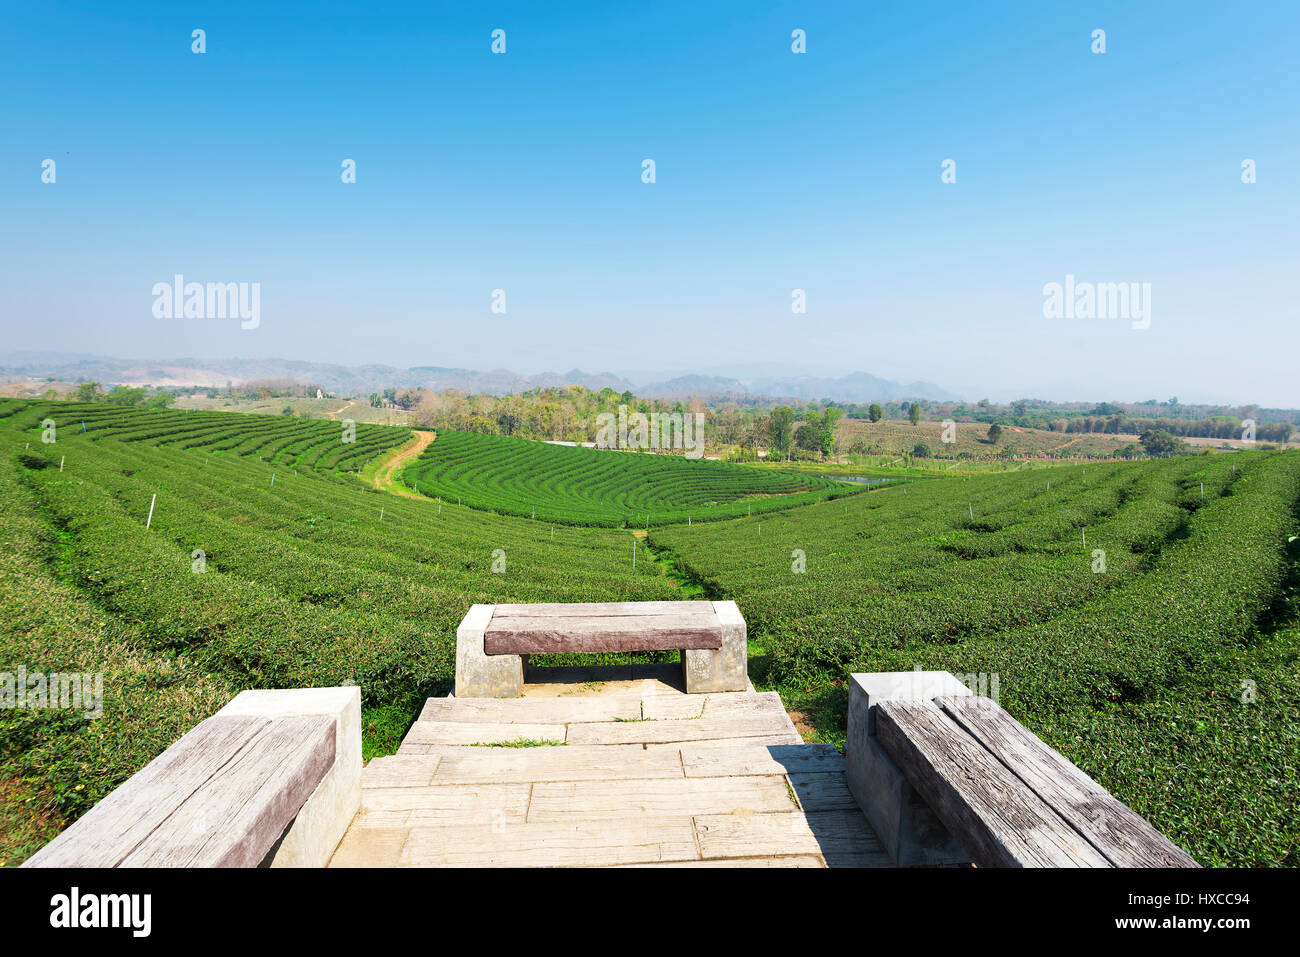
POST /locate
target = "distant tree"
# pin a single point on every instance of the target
(914, 413)
(831, 416)
(781, 424)
(510, 418)
(159, 400)
(995, 433)
(827, 441)
(808, 438)
(1161, 444)
(1020, 408)
(87, 391)
(920, 450)
(875, 412)
(125, 395)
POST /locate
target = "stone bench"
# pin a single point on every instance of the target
(493, 641)
(947, 777)
(273, 779)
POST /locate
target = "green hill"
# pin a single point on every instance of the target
(581, 486)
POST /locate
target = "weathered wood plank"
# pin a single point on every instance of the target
(107, 832)
(400, 770)
(823, 791)
(370, 847)
(474, 732)
(678, 706)
(408, 749)
(671, 730)
(570, 763)
(704, 761)
(445, 806)
(739, 703)
(566, 634)
(657, 797)
(734, 703)
(532, 710)
(785, 860)
(219, 797)
(786, 738)
(995, 818)
(1118, 832)
(606, 609)
(236, 817)
(567, 844)
(832, 835)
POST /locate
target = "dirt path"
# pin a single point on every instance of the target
(384, 475)
(1064, 444)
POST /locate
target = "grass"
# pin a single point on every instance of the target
(383, 727)
(520, 743)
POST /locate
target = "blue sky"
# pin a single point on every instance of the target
(775, 171)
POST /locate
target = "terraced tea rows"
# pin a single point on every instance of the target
(603, 487)
(1133, 669)
(1110, 607)
(295, 443)
(313, 580)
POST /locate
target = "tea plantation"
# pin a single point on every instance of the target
(1166, 668)
(1169, 673)
(581, 486)
(300, 582)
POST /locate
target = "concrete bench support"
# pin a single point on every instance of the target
(320, 824)
(720, 669)
(493, 641)
(478, 674)
(911, 833)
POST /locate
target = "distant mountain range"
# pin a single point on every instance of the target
(360, 380)
(855, 387)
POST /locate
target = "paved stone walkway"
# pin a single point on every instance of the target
(620, 769)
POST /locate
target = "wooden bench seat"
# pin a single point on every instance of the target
(605, 626)
(1006, 797)
(493, 639)
(221, 796)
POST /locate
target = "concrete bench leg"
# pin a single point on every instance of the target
(480, 675)
(911, 833)
(320, 824)
(719, 669)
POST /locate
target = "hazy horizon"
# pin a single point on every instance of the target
(644, 377)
